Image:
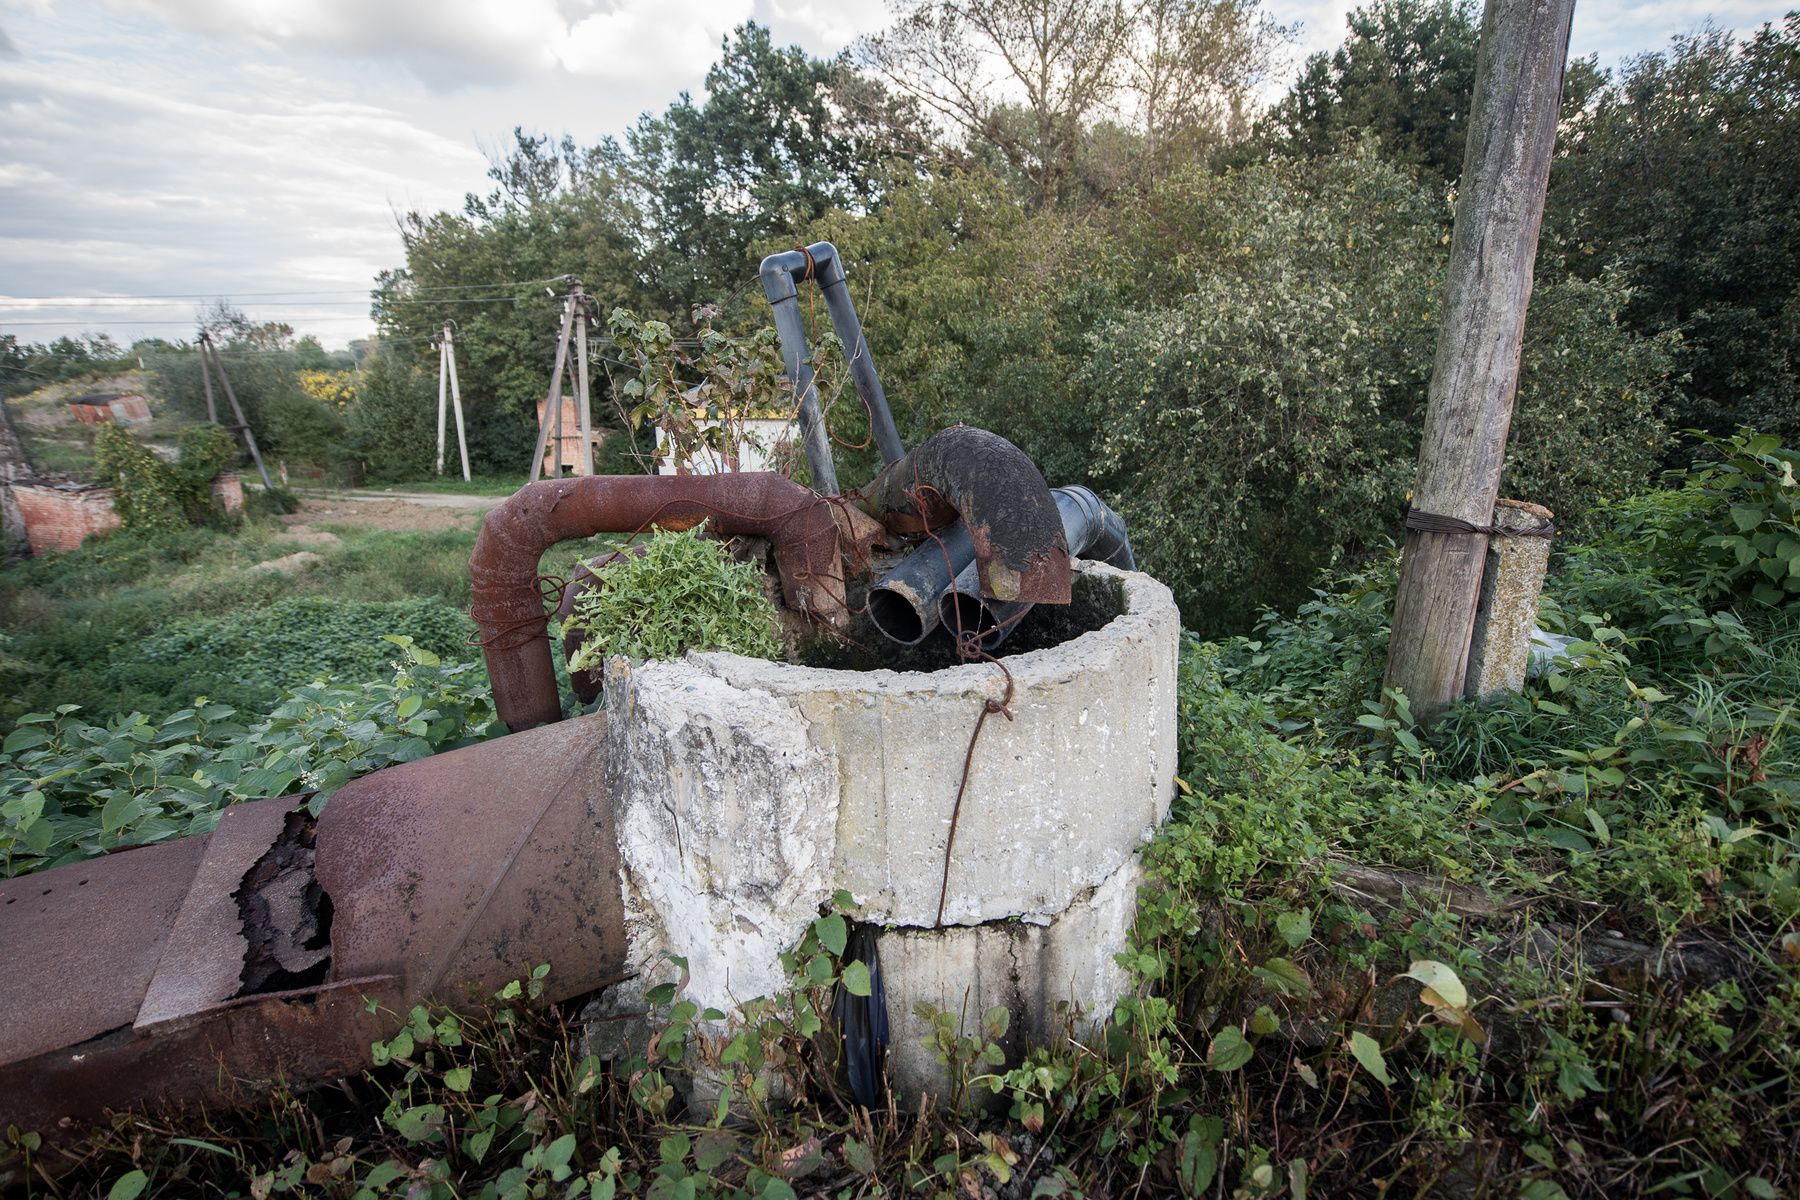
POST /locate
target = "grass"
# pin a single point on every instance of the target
(453, 484)
(66, 450)
(94, 627)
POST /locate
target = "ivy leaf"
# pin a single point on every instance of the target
(856, 979)
(1295, 928)
(833, 934)
(1442, 987)
(859, 1156)
(129, 1186)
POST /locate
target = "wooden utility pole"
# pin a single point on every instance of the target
(447, 377)
(212, 410)
(242, 426)
(585, 465)
(1511, 136)
(553, 401)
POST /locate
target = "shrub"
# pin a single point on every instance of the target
(302, 429)
(394, 426)
(156, 497)
(1269, 423)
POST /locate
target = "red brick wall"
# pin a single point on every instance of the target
(59, 520)
(228, 489)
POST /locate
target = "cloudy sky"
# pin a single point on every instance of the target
(156, 153)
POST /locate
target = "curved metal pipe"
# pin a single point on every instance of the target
(508, 607)
(1021, 552)
(1093, 531)
(147, 978)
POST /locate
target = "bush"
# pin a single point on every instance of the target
(1269, 423)
(302, 429)
(156, 497)
(394, 429)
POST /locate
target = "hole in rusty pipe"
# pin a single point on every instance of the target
(286, 915)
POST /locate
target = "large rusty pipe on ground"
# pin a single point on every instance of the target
(509, 608)
(202, 970)
(1020, 548)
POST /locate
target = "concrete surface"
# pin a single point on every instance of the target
(1511, 582)
(747, 792)
(1025, 968)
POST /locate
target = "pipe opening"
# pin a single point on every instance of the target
(896, 616)
(963, 613)
(1095, 602)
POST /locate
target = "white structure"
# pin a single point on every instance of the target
(755, 450)
(746, 793)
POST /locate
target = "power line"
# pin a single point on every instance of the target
(457, 287)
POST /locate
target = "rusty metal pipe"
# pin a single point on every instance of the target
(1021, 552)
(137, 978)
(508, 607)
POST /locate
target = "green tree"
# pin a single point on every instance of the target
(1406, 73)
(781, 139)
(1266, 423)
(1684, 175)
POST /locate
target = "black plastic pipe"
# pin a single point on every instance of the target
(904, 605)
(1093, 531)
(820, 263)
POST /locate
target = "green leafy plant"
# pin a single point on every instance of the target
(683, 592)
(700, 401)
(155, 496)
(1758, 552)
(70, 790)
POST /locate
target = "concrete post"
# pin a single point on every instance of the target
(1511, 582)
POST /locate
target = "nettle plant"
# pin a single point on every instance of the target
(1759, 550)
(70, 790)
(682, 592)
(701, 393)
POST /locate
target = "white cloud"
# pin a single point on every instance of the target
(147, 172)
(244, 146)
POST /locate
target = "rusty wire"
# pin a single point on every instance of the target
(988, 708)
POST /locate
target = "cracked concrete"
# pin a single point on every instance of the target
(746, 793)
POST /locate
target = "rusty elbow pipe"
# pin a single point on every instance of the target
(508, 607)
(1020, 549)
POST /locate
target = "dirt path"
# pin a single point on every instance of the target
(429, 513)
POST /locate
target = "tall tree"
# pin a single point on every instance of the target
(1684, 174)
(1405, 74)
(1032, 78)
(780, 139)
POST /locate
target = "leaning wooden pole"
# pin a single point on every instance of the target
(553, 401)
(243, 427)
(1512, 134)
